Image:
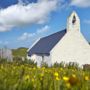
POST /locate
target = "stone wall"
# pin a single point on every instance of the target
(6, 53)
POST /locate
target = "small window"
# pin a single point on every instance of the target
(74, 20)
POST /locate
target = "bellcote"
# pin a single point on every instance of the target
(73, 22)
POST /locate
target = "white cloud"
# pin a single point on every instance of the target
(80, 3)
(4, 28)
(20, 14)
(44, 29)
(26, 36)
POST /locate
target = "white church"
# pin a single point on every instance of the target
(68, 45)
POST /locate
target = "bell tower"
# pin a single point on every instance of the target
(73, 22)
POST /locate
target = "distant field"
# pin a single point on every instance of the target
(20, 52)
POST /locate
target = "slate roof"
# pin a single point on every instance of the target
(45, 44)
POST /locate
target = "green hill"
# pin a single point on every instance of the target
(19, 52)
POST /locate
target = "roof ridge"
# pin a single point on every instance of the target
(45, 44)
(53, 34)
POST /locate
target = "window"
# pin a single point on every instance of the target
(74, 20)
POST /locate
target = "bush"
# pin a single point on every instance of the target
(3, 60)
(44, 64)
(58, 65)
(73, 65)
(86, 67)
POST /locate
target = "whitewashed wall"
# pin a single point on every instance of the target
(38, 59)
(72, 48)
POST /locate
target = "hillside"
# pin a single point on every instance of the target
(20, 52)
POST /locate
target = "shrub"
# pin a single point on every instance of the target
(86, 67)
(62, 65)
(44, 64)
(73, 65)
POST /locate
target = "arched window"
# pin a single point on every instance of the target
(74, 20)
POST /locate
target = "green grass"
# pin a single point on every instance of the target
(24, 77)
(20, 52)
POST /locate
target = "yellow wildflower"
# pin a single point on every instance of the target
(73, 75)
(27, 77)
(14, 67)
(56, 74)
(65, 78)
(32, 79)
(61, 69)
(41, 78)
(34, 68)
(42, 75)
(38, 67)
(57, 78)
(86, 78)
(43, 68)
(2, 67)
(68, 85)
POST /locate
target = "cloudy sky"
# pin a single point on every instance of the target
(24, 21)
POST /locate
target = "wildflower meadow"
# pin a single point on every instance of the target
(24, 76)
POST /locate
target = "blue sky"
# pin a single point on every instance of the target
(24, 21)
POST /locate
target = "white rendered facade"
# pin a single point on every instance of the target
(71, 48)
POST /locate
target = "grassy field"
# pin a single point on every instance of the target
(19, 52)
(14, 76)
